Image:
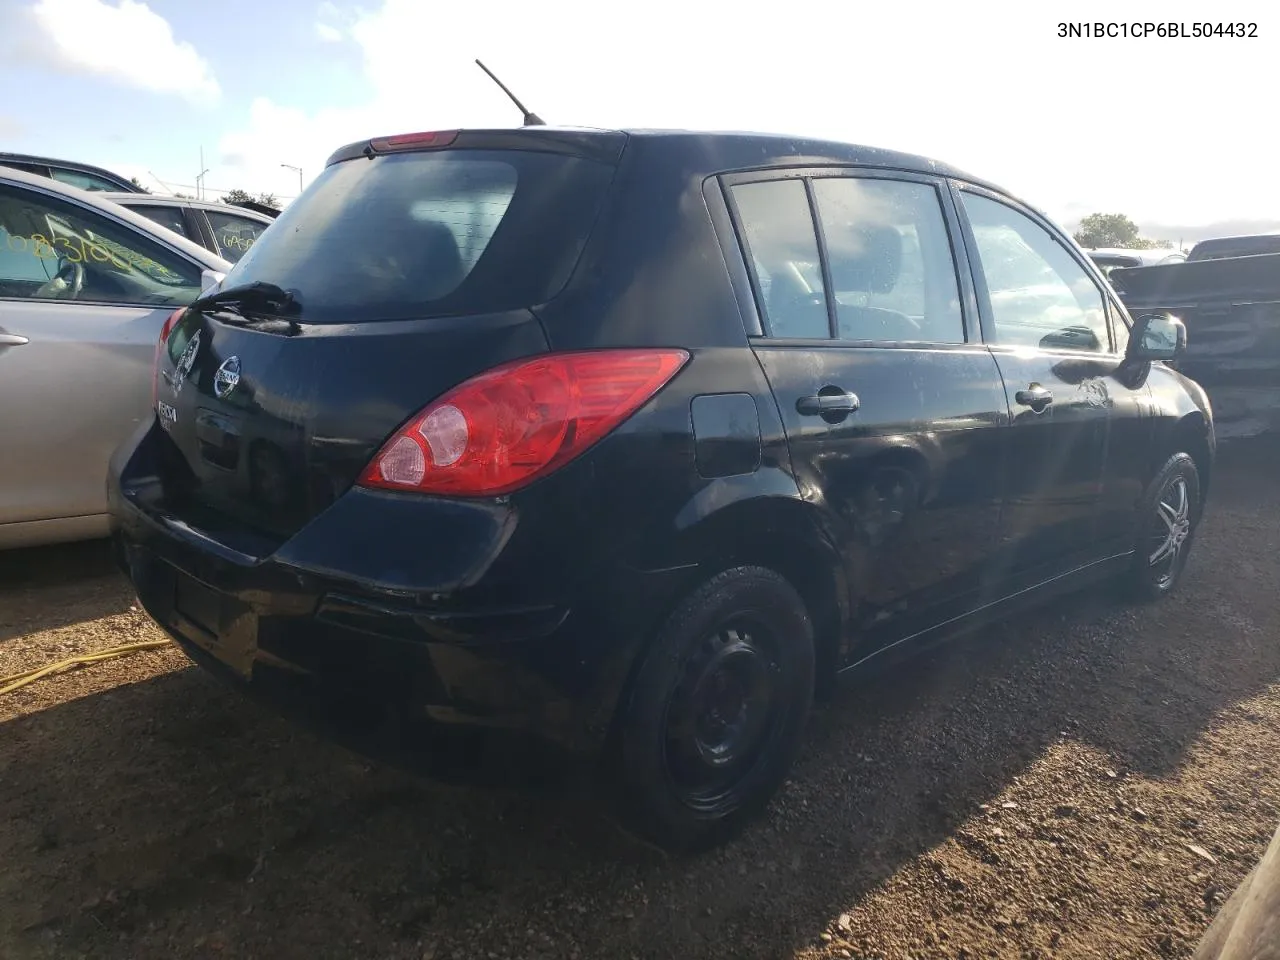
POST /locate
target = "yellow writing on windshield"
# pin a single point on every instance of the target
(78, 249)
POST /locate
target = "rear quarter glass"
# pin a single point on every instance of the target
(433, 233)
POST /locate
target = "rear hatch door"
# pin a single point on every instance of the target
(395, 277)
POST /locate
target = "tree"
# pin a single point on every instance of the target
(138, 183)
(1106, 230)
(244, 196)
(1113, 230)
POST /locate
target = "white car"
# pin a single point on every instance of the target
(226, 229)
(85, 287)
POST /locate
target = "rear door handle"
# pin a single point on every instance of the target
(12, 340)
(1035, 396)
(824, 404)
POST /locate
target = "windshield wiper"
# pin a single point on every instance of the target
(259, 296)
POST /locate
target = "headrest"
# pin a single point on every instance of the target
(438, 257)
(865, 257)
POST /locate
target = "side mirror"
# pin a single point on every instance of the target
(210, 279)
(1157, 336)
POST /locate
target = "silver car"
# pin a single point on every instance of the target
(85, 286)
(226, 229)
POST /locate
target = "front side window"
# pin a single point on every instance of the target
(235, 235)
(891, 267)
(54, 250)
(783, 246)
(1040, 296)
(1119, 328)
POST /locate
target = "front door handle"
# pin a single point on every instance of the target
(12, 340)
(835, 403)
(1035, 396)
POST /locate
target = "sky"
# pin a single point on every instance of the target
(1175, 133)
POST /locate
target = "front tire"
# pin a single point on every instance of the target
(716, 711)
(1167, 519)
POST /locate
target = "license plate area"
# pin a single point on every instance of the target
(217, 623)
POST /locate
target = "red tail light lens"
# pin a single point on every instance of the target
(510, 425)
(167, 329)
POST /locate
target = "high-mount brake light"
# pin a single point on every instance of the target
(413, 141)
(170, 322)
(508, 426)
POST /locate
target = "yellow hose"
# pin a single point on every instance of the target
(18, 680)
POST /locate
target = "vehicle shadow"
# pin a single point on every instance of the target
(170, 818)
(44, 588)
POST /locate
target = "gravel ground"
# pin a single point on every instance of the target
(1088, 781)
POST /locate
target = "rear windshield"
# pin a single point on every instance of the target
(430, 234)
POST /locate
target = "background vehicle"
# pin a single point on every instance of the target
(227, 230)
(1109, 258)
(85, 287)
(82, 175)
(629, 439)
(1231, 307)
(1222, 247)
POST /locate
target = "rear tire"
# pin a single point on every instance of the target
(1168, 515)
(716, 712)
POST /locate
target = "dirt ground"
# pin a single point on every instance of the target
(1088, 781)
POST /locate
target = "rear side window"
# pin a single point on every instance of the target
(430, 234)
(890, 258)
(235, 235)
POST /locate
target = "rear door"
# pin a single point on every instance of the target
(82, 300)
(894, 411)
(1045, 317)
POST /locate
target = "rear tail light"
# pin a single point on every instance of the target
(167, 329)
(510, 425)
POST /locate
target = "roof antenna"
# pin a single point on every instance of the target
(530, 119)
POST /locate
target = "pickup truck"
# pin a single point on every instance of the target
(1231, 308)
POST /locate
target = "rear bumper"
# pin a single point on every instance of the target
(391, 656)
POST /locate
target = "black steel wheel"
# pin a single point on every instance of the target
(716, 711)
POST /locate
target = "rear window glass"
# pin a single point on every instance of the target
(430, 234)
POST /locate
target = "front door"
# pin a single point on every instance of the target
(894, 417)
(1045, 317)
(82, 300)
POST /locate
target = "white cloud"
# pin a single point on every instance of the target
(127, 42)
(1074, 125)
(331, 22)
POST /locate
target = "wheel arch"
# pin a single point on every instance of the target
(1189, 434)
(785, 534)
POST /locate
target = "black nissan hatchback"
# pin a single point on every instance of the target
(628, 442)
